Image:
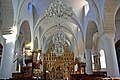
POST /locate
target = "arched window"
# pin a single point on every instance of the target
(30, 8)
(102, 59)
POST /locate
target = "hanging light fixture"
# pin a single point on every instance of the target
(59, 41)
(60, 11)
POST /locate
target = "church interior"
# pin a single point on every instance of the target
(60, 39)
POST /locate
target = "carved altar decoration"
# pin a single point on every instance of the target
(79, 67)
(59, 67)
(37, 64)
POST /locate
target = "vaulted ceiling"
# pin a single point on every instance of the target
(10, 9)
(71, 27)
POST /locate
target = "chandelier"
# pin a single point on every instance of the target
(58, 9)
(59, 41)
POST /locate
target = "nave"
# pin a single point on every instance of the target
(60, 39)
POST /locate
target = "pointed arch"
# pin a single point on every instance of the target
(91, 29)
(117, 36)
(25, 30)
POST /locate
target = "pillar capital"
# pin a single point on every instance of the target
(10, 37)
(107, 36)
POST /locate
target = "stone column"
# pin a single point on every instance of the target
(7, 57)
(110, 55)
(89, 69)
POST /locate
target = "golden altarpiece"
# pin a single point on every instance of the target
(54, 67)
(51, 67)
(59, 67)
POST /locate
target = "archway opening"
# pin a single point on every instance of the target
(92, 44)
(23, 47)
(117, 46)
(117, 36)
(27, 44)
